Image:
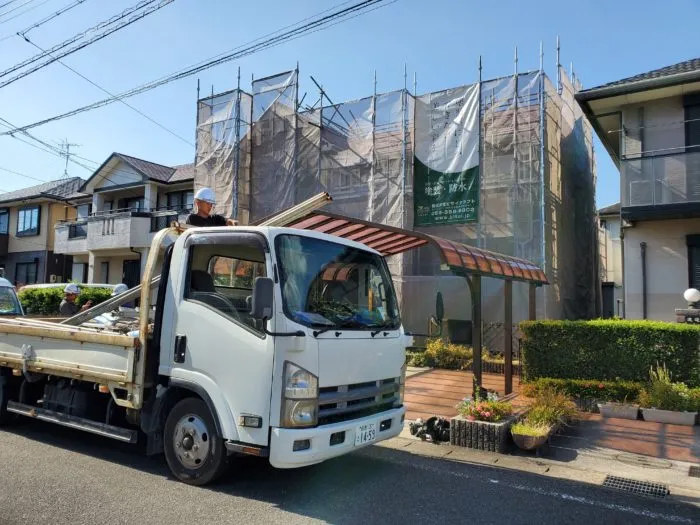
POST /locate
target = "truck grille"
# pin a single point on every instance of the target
(340, 403)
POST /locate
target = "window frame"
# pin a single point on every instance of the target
(27, 264)
(31, 232)
(227, 238)
(6, 213)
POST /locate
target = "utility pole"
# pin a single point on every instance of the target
(65, 152)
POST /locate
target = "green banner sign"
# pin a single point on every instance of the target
(444, 198)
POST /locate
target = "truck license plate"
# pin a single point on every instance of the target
(365, 433)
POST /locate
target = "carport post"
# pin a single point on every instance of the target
(476, 328)
(508, 334)
(533, 302)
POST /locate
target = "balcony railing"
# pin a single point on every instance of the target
(661, 180)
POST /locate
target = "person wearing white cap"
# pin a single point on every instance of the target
(68, 306)
(204, 201)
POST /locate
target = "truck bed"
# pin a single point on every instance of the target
(88, 354)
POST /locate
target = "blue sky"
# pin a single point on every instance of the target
(440, 40)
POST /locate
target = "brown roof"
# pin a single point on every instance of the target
(62, 189)
(387, 240)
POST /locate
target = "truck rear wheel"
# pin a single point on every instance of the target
(195, 454)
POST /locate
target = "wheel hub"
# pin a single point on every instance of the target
(192, 441)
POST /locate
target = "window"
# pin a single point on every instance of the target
(9, 305)
(4, 221)
(104, 271)
(222, 273)
(84, 210)
(26, 273)
(28, 221)
(107, 206)
(135, 204)
(692, 122)
(235, 273)
(180, 200)
(693, 242)
(613, 228)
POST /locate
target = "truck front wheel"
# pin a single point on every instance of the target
(195, 454)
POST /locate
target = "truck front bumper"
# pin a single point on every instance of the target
(324, 441)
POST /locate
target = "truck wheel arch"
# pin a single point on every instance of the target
(178, 386)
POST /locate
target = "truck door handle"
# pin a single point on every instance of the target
(180, 348)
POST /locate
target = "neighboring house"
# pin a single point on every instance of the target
(650, 125)
(27, 218)
(610, 251)
(125, 201)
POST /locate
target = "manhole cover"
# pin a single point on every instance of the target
(643, 461)
(694, 472)
(644, 488)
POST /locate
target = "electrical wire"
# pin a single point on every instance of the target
(44, 20)
(20, 6)
(23, 12)
(7, 3)
(113, 95)
(78, 36)
(303, 30)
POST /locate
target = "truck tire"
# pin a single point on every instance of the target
(195, 454)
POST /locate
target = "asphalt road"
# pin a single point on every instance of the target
(53, 475)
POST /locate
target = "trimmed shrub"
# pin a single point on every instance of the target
(586, 388)
(609, 349)
(440, 354)
(46, 301)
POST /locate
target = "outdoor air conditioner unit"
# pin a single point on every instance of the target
(53, 278)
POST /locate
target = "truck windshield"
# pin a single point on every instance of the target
(326, 284)
(9, 305)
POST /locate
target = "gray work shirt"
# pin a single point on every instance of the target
(68, 308)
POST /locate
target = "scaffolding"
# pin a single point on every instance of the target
(536, 179)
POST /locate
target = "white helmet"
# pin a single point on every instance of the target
(206, 195)
(71, 288)
(119, 289)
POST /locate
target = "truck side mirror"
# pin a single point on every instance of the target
(263, 294)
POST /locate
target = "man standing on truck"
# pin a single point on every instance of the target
(204, 201)
(68, 306)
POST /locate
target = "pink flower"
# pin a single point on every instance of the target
(487, 414)
(601, 385)
(471, 418)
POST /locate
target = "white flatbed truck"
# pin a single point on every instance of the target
(268, 341)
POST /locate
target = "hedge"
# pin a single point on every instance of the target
(587, 388)
(46, 301)
(609, 349)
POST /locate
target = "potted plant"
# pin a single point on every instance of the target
(482, 424)
(664, 401)
(530, 436)
(622, 410)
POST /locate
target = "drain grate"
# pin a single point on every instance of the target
(644, 488)
(694, 472)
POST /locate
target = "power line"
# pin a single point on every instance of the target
(7, 3)
(44, 20)
(313, 26)
(23, 12)
(113, 95)
(75, 38)
(20, 6)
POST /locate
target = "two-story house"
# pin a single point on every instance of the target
(27, 218)
(650, 125)
(126, 200)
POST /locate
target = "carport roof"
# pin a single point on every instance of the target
(387, 240)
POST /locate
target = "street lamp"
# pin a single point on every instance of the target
(692, 296)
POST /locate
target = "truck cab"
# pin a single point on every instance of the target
(275, 342)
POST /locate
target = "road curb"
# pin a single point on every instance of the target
(542, 467)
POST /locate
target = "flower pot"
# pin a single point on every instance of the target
(618, 410)
(481, 435)
(669, 416)
(529, 442)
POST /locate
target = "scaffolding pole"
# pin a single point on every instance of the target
(516, 203)
(543, 227)
(237, 153)
(374, 149)
(479, 231)
(404, 125)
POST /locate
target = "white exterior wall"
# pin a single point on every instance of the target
(119, 232)
(667, 267)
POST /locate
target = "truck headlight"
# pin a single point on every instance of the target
(299, 397)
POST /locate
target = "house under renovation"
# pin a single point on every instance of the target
(505, 164)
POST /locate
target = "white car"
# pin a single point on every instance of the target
(9, 303)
